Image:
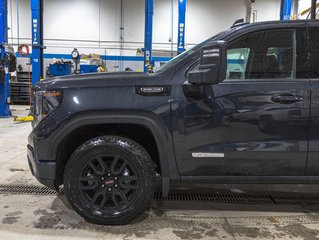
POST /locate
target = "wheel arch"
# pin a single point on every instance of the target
(150, 121)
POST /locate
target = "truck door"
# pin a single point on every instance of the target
(255, 122)
(313, 156)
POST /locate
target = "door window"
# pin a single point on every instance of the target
(237, 62)
(262, 55)
(314, 52)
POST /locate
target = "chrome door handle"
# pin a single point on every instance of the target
(287, 99)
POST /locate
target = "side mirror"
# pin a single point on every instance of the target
(213, 65)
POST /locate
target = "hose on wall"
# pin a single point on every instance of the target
(172, 28)
(18, 21)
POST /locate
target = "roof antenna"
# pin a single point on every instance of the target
(238, 22)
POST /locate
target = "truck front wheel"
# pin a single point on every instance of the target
(110, 180)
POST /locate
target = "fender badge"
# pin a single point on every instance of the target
(149, 90)
(208, 155)
(153, 90)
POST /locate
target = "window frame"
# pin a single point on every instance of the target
(301, 33)
(294, 61)
(310, 55)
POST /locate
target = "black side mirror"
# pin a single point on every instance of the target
(213, 65)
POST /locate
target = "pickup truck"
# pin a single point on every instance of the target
(241, 107)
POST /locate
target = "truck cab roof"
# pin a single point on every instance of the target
(276, 24)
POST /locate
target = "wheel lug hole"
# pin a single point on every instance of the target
(110, 189)
(103, 186)
(116, 185)
(102, 178)
(109, 174)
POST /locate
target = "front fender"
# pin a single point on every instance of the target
(49, 145)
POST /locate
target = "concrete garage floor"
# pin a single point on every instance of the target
(43, 217)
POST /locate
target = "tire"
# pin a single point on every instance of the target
(110, 180)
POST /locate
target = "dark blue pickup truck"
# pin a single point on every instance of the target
(241, 107)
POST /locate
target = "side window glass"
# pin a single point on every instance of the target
(262, 55)
(314, 52)
(237, 62)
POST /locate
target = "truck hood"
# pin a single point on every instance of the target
(115, 79)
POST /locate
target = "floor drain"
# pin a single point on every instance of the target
(296, 200)
(239, 198)
(216, 197)
(29, 189)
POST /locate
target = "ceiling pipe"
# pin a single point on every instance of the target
(249, 12)
(295, 8)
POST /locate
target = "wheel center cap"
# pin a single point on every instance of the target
(109, 182)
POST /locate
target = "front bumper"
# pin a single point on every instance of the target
(43, 171)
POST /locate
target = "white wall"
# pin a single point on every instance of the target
(93, 26)
(267, 10)
(210, 17)
(305, 5)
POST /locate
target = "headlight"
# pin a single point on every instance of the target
(44, 103)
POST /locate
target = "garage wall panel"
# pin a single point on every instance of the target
(71, 19)
(93, 26)
(164, 33)
(211, 17)
(267, 10)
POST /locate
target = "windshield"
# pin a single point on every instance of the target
(185, 54)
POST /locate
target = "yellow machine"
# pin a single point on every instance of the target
(17, 119)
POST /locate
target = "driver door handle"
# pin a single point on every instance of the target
(287, 99)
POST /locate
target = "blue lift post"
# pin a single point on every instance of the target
(285, 9)
(181, 25)
(37, 40)
(148, 39)
(4, 86)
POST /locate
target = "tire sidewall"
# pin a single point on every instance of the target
(133, 153)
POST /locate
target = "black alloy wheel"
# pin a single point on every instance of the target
(110, 180)
(109, 183)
